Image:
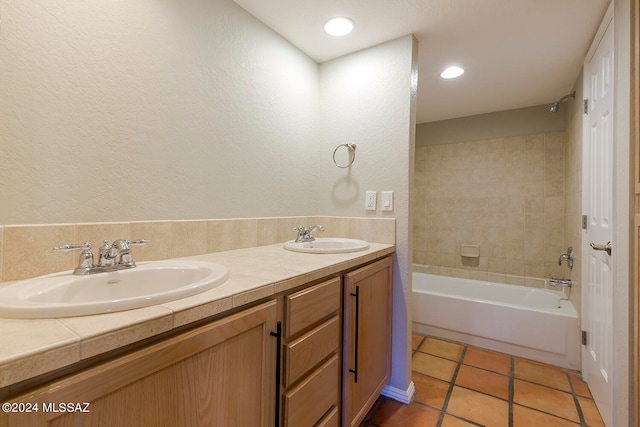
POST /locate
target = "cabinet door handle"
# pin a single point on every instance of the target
(354, 371)
(278, 336)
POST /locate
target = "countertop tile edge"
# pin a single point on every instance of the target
(24, 366)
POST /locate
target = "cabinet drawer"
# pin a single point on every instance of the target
(306, 403)
(309, 306)
(305, 352)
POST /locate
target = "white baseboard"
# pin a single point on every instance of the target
(403, 396)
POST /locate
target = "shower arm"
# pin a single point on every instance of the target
(556, 105)
(564, 98)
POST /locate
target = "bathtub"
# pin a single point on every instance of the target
(527, 322)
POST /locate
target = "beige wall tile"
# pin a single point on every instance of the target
(1, 253)
(228, 234)
(28, 250)
(188, 238)
(32, 245)
(159, 234)
(496, 278)
(267, 231)
(508, 195)
(334, 226)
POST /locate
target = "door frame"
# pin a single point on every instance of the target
(636, 222)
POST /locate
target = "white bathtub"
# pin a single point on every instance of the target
(527, 322)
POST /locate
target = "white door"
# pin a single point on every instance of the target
(597, 203)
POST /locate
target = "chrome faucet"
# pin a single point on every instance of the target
(567, 257)
(306, 234)
(114, 257)
(119, 248)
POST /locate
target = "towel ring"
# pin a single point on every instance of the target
(351, 149)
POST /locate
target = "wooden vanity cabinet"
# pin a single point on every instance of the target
(225, 373)
(367, 338)
(220, 374)
(311, 356)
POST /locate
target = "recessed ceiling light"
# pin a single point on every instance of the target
(340, 26)
(452, 72)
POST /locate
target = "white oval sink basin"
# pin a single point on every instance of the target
(150, 283)
(327, 245)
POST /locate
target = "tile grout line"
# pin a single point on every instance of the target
(413, 353)
(583, 422)
(451, 385)
(512, 369)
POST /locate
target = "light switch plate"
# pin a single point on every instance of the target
(370, 200)
(387, 201)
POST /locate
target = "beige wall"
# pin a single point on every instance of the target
(147, 110)
(499, 124)
(368, 98)
(506, 195)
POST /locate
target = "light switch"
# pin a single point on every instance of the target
(370, 200)
(387, 200)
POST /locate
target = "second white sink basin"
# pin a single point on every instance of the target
(150, 283)
(327, 245)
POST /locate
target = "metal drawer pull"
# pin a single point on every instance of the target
(354, 371)
(278, 336)
(606, 247)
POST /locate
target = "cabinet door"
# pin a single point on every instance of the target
(220, 374)
(367, 338)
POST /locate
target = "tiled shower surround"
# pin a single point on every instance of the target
(27, 250)
(506, 195)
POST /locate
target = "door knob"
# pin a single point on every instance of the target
(606, 247)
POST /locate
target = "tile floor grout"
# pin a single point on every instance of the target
(583, 423)
(512, 404)
(452, 384)
(512, 376)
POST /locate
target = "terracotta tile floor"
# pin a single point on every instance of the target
(458, 385)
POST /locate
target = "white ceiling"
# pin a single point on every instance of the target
(516, 53)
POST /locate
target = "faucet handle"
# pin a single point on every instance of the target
(73, 247)
(85, 263)
(301, 230)
(139, 242)
(123, 247)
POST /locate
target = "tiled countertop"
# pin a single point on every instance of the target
(36, 346)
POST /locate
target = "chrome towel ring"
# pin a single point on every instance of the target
(351, 153)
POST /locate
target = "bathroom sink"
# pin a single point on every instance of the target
(150, 283)
(327, 245)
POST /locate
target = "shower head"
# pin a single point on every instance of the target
(556, 105)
